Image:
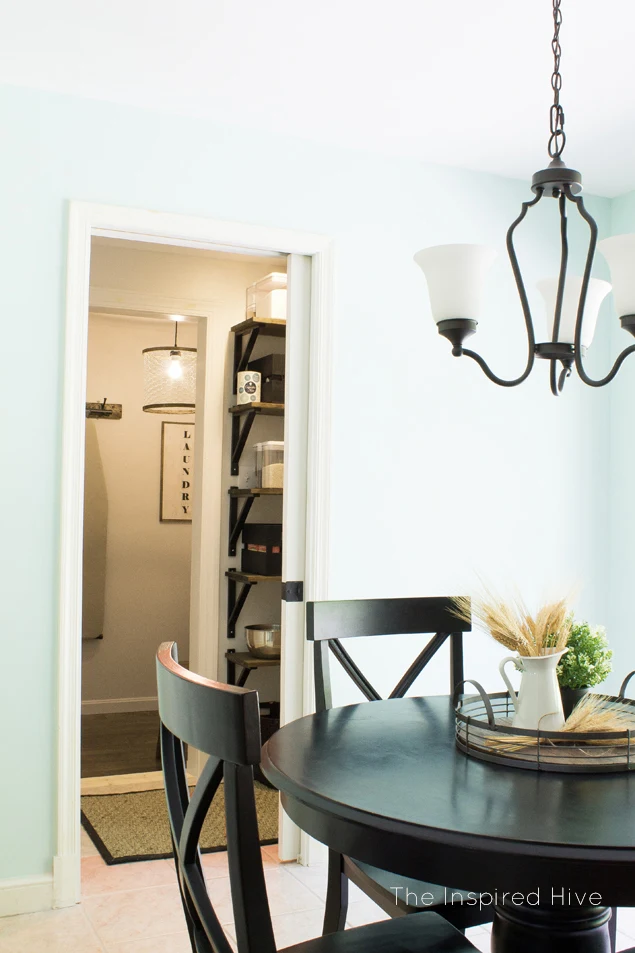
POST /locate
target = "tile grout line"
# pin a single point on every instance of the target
(300, 881)
(92, 928)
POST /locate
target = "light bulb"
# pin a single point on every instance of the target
(175, 368)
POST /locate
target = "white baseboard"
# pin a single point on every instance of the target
(101, 706)
(26, 895)
(67, 880)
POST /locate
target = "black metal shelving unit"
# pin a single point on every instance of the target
(243, 416)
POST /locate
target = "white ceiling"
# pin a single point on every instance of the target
(464, 82)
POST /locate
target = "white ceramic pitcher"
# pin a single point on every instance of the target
(538, 704)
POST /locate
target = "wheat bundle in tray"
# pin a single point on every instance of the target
(511, 623)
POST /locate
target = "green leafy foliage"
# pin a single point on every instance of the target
(588, 660)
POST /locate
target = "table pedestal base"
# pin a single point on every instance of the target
(552, 929)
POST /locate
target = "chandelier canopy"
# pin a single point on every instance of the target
(456, 274)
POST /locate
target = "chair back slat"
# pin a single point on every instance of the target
(417, 667)
(353, 671)
(330, 622)
(223, 721)
(323, 696)
(177, 793)
(206, 933)
(200, 803)
(457, 673)
(254, 932)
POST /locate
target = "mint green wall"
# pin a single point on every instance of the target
(436, 473)
(620, 487)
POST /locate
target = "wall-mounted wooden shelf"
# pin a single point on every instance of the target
(236, 600)
(237, 519)
(249, 577)
(247, 663)
(255, 328)
(255, 491)
(273, 327)
(272, 410)
(240, 434)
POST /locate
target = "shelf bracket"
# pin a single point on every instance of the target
(241, 356)
(235, 604)
(237, 520)
(239, 438)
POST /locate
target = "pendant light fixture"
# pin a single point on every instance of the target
(455, 274)
(169, 378)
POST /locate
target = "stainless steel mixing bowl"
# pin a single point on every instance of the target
(263, 641)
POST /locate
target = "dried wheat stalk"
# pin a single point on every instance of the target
(512, 625)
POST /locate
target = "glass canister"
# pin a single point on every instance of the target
(270, 464)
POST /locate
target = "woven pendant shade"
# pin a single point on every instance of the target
(164, 393)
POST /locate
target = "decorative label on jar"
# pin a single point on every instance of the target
(248, 387)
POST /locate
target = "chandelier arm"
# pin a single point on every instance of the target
(557, 382)
(592, 382)
(489, 373)
(531, 340)
(564, 261)
(553, 378)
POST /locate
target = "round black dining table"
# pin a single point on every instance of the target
(384, 783)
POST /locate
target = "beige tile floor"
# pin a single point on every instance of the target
(135, 908)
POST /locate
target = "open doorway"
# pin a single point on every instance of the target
(140, 505)
(307, 422)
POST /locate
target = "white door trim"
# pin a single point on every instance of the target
(86, 220)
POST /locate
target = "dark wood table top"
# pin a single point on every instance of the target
(384, 782)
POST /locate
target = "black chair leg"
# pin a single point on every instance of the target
(613, 929)
(336, 895)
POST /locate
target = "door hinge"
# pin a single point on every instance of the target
(293, 592)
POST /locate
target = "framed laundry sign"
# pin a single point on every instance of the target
(177, 472)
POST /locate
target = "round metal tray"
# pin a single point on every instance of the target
(484, 731)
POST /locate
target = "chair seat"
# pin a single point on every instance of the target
(380, 886)
(425, 933)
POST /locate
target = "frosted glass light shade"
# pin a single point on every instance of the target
(596, 294)
(163, 392)
(619, 252)
(456, 279)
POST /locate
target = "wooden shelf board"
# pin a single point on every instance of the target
(256, 491)
(247, 660)
(274, 327)
(273, 410)
(238, 576)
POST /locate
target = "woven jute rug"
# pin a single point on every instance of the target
(129, 827)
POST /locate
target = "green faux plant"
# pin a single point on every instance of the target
(588, 659)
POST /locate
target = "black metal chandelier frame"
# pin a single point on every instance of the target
(565, 185)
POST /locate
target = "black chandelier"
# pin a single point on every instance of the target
(456, 273)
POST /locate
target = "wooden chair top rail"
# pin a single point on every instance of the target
(191, 706)
(355, 618)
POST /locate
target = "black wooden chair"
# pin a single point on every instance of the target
(223, 721)
(327, 624)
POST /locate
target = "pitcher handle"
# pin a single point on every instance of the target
(501, 669)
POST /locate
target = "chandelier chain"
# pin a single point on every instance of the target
(557, 138)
